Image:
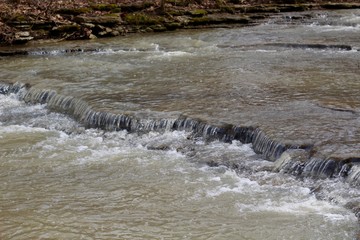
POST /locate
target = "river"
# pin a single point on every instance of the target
(294, 76)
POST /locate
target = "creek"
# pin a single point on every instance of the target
(135, 137)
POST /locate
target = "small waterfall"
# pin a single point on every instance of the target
(288, 158)
(82, 112)
(354, 175)
(322, 168)
(8, 88)
(147, 125)
(243, 134)
(79, 110)
(292, 161)
(296, 161)
(202, 129)
(262, 144)
(4, 88)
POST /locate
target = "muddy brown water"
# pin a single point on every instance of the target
(288, 76)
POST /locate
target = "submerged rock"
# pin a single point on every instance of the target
(312, 46)
(354, 175)
(4, 53)
(321, 168)
(292, 161)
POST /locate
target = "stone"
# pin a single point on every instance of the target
(220, 19)
(6, 53)
(197, 13)
(108, 21)
(60, 30)
(354, 175)
(173, 26)
(89, 25)
(22, 37)
(115, 33)
(22, 34)
(92, 36)
(291, 161)
(158, 28)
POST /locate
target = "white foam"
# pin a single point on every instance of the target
(334, 28)
(156, 47)
(274, 194)
(20, 128)
(307, 205)
(265, 51)
(168, 55)
(9, 101)
(231, 182)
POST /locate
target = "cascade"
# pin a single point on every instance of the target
(322, 168)
(354, 175)
(262, 144)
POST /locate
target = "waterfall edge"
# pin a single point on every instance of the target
(294, 159)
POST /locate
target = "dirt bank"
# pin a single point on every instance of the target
(22, 21)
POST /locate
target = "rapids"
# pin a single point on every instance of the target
(186, 135)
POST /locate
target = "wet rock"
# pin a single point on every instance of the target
(243, 134)
(162, 147)
(294, 7)
(340, 5)
(355, 207)
(292, 161)
(266, 146)
(321, 168)
(4, 53)
(312, 46)
(354, 175)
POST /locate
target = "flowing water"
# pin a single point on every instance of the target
(296, 77)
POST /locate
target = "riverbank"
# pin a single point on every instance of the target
(25, 21)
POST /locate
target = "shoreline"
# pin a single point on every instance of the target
(111, 20)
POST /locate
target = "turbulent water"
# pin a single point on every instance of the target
(296, 77)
